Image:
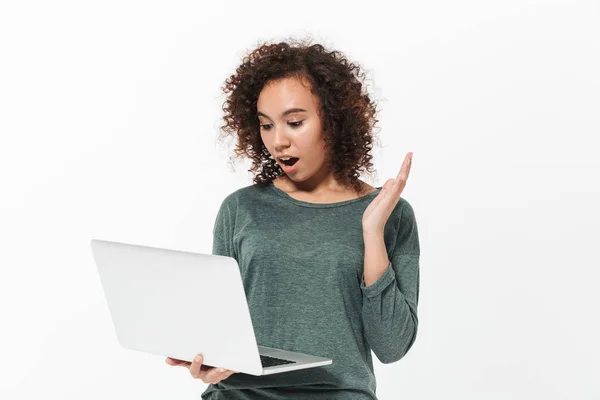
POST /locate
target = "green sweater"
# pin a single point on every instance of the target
(302, 268)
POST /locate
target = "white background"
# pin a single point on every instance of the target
(109, 116)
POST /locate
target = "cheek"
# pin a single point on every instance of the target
(320, 150)
(313, 142)
(266, 144)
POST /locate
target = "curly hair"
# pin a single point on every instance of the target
(348, 113)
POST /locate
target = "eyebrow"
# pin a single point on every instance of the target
(283, 114)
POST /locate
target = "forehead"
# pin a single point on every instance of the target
(285, 93)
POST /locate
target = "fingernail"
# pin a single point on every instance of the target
(222, 369)
(198, 359)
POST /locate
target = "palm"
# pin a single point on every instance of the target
(380, 209)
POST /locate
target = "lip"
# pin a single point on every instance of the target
(287, 169)
(285, 156)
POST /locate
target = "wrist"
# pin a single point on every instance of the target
(372, 233)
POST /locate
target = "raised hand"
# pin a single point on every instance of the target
(380, 209)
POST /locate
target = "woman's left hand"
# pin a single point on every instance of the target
(380, 209)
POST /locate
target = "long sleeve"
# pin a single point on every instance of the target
(223, 231)
(300, 264)
(389, 309)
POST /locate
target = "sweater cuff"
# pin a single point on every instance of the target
(377, 287)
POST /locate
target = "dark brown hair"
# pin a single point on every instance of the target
(348, 113)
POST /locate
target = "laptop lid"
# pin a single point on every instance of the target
(178, 304)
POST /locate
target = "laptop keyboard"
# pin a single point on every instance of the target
(267, 361)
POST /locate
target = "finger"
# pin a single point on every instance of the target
(400, 182)
(195, 366)
(228, 374)
(175, 362)
(217, 374)
(405, 169)
(384, 190)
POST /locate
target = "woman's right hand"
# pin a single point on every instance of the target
(198, 371)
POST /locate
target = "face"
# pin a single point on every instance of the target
(296, 133)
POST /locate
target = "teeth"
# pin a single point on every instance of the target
(286, 158)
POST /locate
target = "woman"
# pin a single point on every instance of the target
(330, 265)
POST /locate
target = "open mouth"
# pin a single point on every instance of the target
(290, 162)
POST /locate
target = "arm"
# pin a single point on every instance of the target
(223, 231)
(391, 290)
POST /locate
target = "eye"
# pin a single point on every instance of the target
(294, 125)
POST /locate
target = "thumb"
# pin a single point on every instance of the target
(384, 190)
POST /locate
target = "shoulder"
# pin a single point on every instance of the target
(403, 216)
(405, 209)
(402, 212)
(407, 233)
(246, 194)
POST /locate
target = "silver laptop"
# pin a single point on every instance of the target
(179, 304)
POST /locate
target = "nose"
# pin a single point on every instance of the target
(280, 140)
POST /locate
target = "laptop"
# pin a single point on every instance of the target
(179, 304)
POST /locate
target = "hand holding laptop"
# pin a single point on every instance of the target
(198, 371)
(152, 290)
